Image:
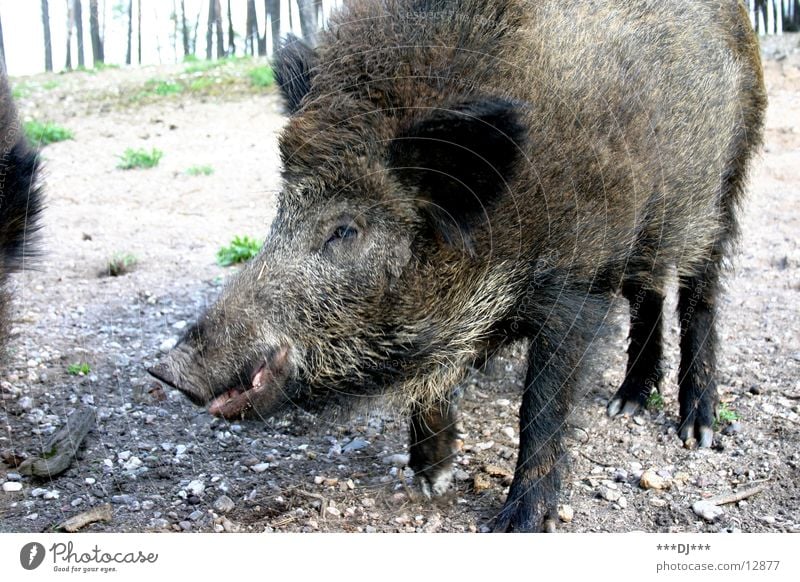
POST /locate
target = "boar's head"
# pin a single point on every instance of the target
(372, 275)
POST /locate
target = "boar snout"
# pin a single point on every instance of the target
(257, 389)
(173, 371)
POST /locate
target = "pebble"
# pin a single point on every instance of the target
(260, 467)
(508, 432)
(132, 464)
(707, 510)
(195, 515)
(622, 502)
(25, 403)
(195, 487)
(620, 475)
(13, 476)
(124, 499)
(651, 480)
(159, 523)
(769, 519)
(355, 445)
(733, 428)
(481, 482)
(90, 480)
(180, 450)
(333, 511)
(148, 505)
(224, 504)
(185, 525)
(38, 492)
(52, 494)
(399, 460)
(566, 513)
(12, 486)
(610, 494)
(167, 344)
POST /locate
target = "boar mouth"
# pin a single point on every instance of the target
(264, 393)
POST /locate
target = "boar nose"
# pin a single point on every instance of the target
(171, 371)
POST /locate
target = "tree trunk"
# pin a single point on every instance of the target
(231, 33)
(3, 67)
(94, 29)
(251, 37)
(70, 25)
(308, 20)
(184, 30)
(48, 49)
(210, 30)
(196, 28)
(129, 54)
(274, 10)
(218, 24)
(139, 30)
(79, 30)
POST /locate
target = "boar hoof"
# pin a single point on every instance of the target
(532, 511)
(692, 433)
(629, 399)
(436, 484)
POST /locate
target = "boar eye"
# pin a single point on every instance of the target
(341, 233)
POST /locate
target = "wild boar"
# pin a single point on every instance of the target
(458, 176)
(20, 199)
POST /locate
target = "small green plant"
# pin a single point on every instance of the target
(261, 76)
(42, 134)
(120, 264)
(164, 88)
(200, 171)
(49, 85)
(655, 401)
(20, 90)
(79, 369)
(105, 66)
(725, 415)
(241, 249)
(198, 66)
(132, 159)
(200, 84)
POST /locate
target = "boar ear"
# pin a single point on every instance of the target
(460, 159)
(293, 66)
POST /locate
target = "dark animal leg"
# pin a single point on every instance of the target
(644, 370)
(698, 388)
(532, 499)
(433, 434)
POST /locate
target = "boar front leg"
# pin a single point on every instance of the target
(546, 401)
(433, 434)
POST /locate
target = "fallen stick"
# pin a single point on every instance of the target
(76, 522)
(59, 452)
(736, 496)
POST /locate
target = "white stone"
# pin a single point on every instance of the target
(12, 486)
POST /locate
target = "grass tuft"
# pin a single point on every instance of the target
(133, 159)
(200, 171)
(261, 76)
(120, 264)
(42, 134)
(79, 369)
(241, 249)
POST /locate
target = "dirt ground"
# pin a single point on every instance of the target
(166, 465)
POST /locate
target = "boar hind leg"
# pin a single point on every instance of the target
(698, 389)
(644, 370)
(433, 434)
(532, 498)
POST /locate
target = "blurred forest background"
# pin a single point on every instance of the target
(56, 35)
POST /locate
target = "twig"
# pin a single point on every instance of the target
(736, 496)
(59, 452)
(323, 502)
(76, 522)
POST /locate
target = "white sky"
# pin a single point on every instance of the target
(24, 37)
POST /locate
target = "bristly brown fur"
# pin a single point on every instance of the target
(461, 175)
(20, 200)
